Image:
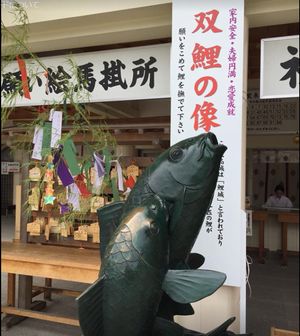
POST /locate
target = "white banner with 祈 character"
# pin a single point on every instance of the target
(119, 74)
(206, 96)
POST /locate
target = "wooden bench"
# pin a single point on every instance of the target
(50, 262)
(285, 219)
(282, 332)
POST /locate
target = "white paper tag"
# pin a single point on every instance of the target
(56, 128)
(38, 143)
(120, 176)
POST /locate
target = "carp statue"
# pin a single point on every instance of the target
(148, 273)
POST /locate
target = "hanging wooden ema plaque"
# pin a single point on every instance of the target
(35, 174)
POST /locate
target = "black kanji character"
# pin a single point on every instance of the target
(85, 77)
(12, 82)
(293, 66)
(112, 75)
(144, 71)
(58, 81)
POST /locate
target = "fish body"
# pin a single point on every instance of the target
(136, 255)
(185, 177)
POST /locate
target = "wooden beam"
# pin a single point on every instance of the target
(39, 316)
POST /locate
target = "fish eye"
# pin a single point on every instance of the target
(176, 154)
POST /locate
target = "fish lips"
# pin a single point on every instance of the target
(211, 142)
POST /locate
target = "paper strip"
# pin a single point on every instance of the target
(62, 170)
(120, 175)
(64, 208)
(114, 188)
(130, 182)
(22, 68)
(69, 153)
(38, 142)
(96, 189)
(46, 137)
(79, 180)
(107, 160)
(99, 164)
(73, 195)
(36, 129)
(56, 128)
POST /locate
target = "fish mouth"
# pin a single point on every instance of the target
(212, 143)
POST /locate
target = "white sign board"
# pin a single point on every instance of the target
(10, 167)
(206, 96)
(279, 73)
(120, 74)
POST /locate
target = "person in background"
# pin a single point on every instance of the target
(278, 200)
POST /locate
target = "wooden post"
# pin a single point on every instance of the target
(47, 293)
(284, 243)
(18, 212)
(25, 282)
(11, 289)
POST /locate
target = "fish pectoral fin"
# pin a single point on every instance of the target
(109, 217)
(90, 309)
(186, 286)
(163, 327)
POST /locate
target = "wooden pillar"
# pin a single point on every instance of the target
(25, 282)
(11, 289)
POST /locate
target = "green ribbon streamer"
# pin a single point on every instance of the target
(107, 155)
(69, 153)
(47, 129)
(86, 168)
(115, 190)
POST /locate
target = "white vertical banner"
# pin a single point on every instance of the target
(206, 96)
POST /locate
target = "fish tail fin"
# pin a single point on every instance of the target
(90, 309)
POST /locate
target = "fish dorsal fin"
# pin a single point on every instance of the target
(90, 304)
(186, 286)
(164, 327)
(109, 220)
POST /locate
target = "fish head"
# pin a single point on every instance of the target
(150, 232)
(191, 166)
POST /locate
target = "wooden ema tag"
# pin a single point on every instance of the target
(113, 173)
(48, 177)
(84, 203)
(133, 171)
(93, 228)
(93, 175)
(96, 237)
(53, 222)
(34, 199)
(96, 232)
(47, 232)
(64, 232)
(49, 191)
(80, 235)
(34, 228)
(35, 174)
(96, 203)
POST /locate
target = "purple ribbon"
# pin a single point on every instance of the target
(62, 170)
(99, 165)
(64, 208)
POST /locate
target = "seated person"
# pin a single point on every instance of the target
(278, 200)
